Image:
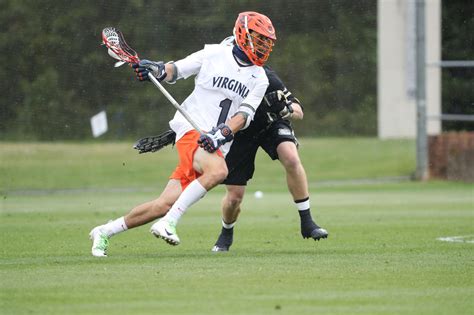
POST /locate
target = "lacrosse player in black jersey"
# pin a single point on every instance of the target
(271, 130)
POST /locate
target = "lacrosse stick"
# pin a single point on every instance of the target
(120, 50)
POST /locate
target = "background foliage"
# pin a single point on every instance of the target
(55, 75)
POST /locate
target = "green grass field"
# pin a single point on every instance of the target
(382, 256)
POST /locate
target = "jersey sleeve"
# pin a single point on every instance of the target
(190, 65)
(255, 96)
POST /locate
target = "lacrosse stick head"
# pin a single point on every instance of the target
(117, 47)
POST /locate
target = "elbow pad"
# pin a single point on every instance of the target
(247, 117)
(248, 112)
(248, 120)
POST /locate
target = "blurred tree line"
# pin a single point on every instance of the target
(55, 74)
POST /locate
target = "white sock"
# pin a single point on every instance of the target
(228, 226)
(188, 197)
(302, 204)
(115, 227)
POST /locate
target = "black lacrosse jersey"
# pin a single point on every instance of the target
(261, 118)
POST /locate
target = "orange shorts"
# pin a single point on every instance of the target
(187, 146)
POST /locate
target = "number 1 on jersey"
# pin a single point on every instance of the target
(225, 105)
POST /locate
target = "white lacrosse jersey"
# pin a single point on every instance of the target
(221, 86)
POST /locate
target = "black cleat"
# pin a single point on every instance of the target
(224, 241)
(314, 231)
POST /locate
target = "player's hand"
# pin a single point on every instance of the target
(218, 136)
(279, 104)
(144, 67)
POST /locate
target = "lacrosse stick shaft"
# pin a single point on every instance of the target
(173, 102)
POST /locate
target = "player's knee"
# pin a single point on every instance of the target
(234, 200)
(222, 174)
(292, 162)
(218, 175)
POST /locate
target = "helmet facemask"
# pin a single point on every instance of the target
(261, 45)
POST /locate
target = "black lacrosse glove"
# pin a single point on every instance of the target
(218, 136)
(145, 67)
(155, 143)
(279, 104)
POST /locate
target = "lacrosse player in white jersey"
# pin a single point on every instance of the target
(229, 86)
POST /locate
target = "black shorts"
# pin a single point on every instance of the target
(241, 157)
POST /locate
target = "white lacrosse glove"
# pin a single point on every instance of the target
(218, 136)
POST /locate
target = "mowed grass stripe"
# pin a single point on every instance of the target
(29, 166)
(382, 256)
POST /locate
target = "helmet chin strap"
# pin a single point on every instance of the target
(241, 57)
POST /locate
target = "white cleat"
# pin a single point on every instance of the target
(100, 241)
(165, 230)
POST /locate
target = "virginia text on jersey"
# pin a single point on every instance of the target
(231, 84)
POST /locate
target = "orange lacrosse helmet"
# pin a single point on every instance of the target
(255, 35)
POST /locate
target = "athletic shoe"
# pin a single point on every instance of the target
(224, 241)
(100, 241)
(165, 230)
(312, 230)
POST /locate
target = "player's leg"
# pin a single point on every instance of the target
(298, 187)
(152, 210)
(212, 167)
(231, 203)
(139, 215)
(280, 143)
(230, 212)
(241, 165)
(194, 161)
(295, 172)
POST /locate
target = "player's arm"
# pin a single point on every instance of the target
(284, 107)
(280, 101)
(161, 71)
(297, 111)
(171, 71)
(224, 133)
(238, 121)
